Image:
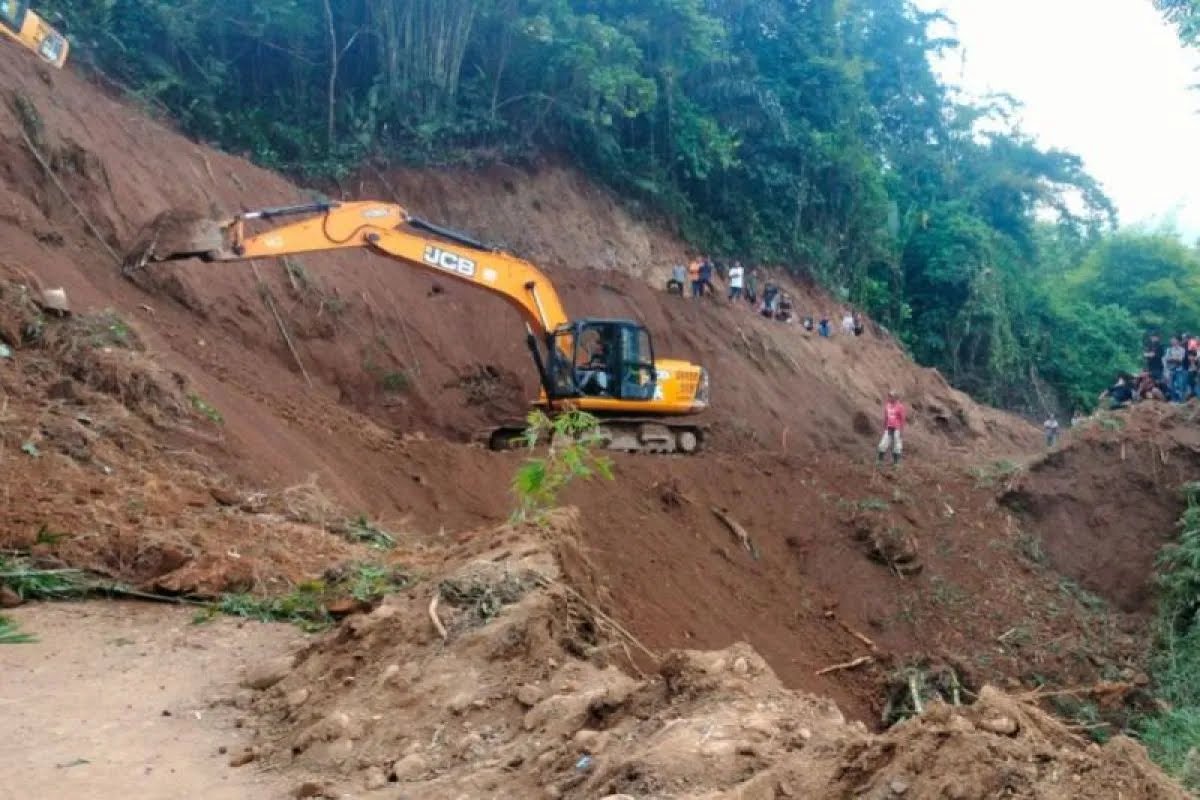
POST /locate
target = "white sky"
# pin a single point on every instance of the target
(1105, 79)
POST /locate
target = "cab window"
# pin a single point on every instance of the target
(637, 373)
(12, 13)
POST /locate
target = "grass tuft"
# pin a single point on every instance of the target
(11, 634)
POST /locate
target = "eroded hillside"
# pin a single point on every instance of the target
(205, 429)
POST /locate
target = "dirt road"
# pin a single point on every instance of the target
(114, 701)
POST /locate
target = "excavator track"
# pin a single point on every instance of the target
(649, 436)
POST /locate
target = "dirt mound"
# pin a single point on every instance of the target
(522, 697)
(102, 450)
(1109, 498)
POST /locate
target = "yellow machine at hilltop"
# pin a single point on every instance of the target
(20, 24)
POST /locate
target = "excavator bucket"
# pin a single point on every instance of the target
(177, 235)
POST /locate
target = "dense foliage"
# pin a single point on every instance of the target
(1172, 734)
(810, 133)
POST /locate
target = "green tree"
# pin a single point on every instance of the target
(1154, 276)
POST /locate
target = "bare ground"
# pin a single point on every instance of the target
(115, 701)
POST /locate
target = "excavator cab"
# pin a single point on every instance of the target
(12, 14)
(602, 358)
(19, 23)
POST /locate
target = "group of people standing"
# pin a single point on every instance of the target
(696, 279)
(1171, 372)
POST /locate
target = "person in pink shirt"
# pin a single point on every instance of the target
(894, 419)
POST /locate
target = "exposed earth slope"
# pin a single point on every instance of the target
(166, 435)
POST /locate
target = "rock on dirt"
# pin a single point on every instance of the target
(243, 758)
(374, 778)
(1003, 726)
(9, 598)
(268, 673)
(409, 768)
(529, 695)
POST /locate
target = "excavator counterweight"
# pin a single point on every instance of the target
(606, 367)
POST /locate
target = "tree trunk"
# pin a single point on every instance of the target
(330, 130)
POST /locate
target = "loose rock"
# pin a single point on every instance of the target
(1004, 726)
(374, 779)
(267, 674)
(410, 767)
(529, 695)
(297, 698)
(9, 598)
(309, 789)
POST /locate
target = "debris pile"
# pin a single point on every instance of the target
(530, 694)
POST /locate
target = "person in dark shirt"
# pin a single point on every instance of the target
(1120, 394)
(1153, 353)
(706, 276)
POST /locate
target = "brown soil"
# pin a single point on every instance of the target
(523, 700)
(1106, 504)
(176, 445)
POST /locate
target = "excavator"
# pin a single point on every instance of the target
(21, 25)
(606, 367)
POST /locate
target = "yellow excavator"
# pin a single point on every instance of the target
(21, 25)
(606, 367)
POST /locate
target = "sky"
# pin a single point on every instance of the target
(1105, 79)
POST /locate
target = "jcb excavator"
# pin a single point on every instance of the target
(603, 366)
(20, 24)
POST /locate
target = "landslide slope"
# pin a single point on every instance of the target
(402, 367)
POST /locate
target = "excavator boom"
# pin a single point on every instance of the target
(606, 367)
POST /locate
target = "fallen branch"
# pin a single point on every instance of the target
(437, 622)
(737, 530)
(1093, 726)
(266, 296)
(860, 636)
(546, 582)
(133, 594)
(918, 709)
(1102, 688)
(855, 664)
(63, 189)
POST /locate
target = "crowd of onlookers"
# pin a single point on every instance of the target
(766, 297)
(1170, 372)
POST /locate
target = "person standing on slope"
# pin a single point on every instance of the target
(737, 276)
(894, 419)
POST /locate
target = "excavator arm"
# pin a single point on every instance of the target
(630, 389)
(390, 231)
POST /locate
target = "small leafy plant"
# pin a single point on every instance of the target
(206, 408)
(571, 439)
(11, 634)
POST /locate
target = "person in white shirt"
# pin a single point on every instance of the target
(737, 280)
(848, 323)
